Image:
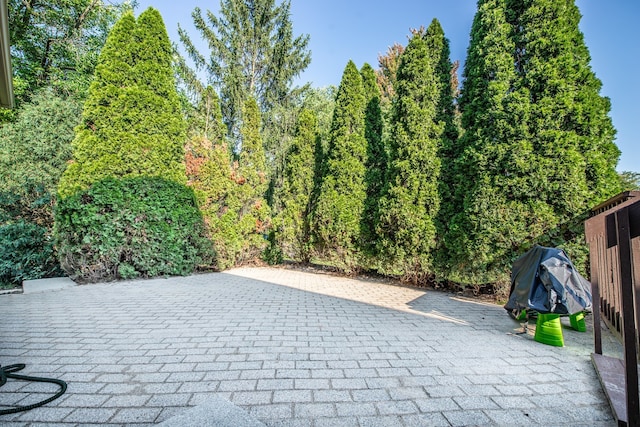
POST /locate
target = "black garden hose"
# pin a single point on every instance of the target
(8, 372)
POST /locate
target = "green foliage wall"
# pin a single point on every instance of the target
(410, 202)
(131, 121)
(131, 227)
(338, 212)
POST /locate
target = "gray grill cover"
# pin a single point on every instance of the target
(545, 280)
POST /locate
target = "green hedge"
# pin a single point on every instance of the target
(127, 228)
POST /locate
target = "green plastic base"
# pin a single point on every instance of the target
(522, 315)
(549, 330)
(577, 322)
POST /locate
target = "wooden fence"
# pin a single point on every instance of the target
(613, 235)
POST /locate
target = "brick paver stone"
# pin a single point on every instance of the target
(289, 347)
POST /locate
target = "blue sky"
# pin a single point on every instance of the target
(340, 30)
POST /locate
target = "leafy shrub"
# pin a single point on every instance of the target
(133, 227)
(26, 252)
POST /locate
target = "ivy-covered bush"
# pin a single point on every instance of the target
(132, 227)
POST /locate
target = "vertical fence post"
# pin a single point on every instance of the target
(628, 316)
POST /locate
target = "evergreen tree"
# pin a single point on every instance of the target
(538, 140)
(131, 122)
(124, 210)
(292, 222)
(376, 163)
(573, 133)
(340, 204)
(448, 147)
(246, 199)
(410, 202)
(492, 173)
(253, 54)
(34, 151)
(252, 161)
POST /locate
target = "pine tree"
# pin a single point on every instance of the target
(293, 228)
(376, 163)
(253, 54)
(340, 204)
(131, 122)
(410, 202)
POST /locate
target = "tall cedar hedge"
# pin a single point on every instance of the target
(538, 142)
(448, 146)
(247, 200)
(338, 212)
(292, 223)
(131, 121)
(376, 161)
(410, 202)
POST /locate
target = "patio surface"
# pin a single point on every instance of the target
(291, 348)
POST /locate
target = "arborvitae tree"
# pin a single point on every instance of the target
(34, 151)
(131, 122)
(376, 162)
(570, 124)
(538, 139)
(448, 147)
(410, 202)
(495, 199)
(252, 161)
(125, 211)
(336, 220)
(292, 225)
(247, 199)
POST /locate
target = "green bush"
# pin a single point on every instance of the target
(132, 227)
(26, 252)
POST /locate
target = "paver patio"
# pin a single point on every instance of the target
(292, 348)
